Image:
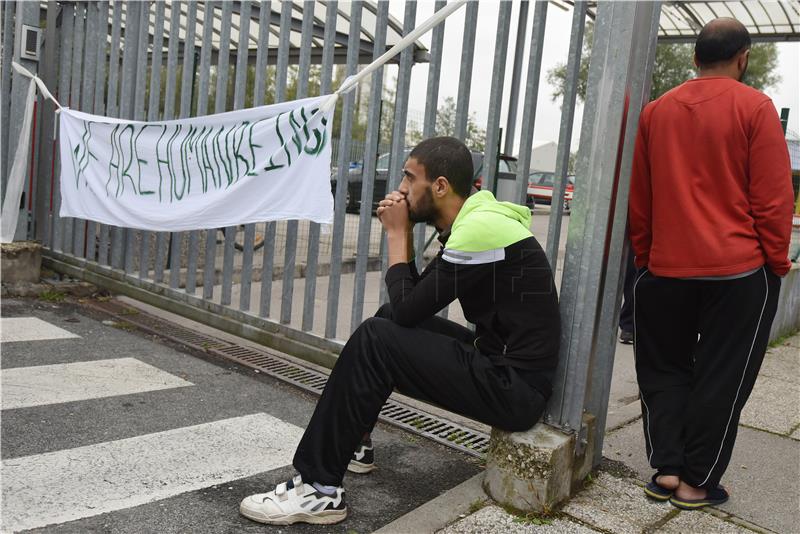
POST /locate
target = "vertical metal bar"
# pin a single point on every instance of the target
(598, 165)
(242, 54)
(9, 9)
(565, 132)
(223, 73)
(312, 262)
(185, 110)
(396, 159)
(80, 226)
(290, 254)
(128, 78)
(202, 107)
(153, 114)
(268, 266)
(645, 34)
(64, 74)
(112, 108)
(370, 160)
(44, 182)
(223, 60)
(431, 107)
(170, 92)
(264, 18)
(341, 179)
(94, 230)
(465, 76)
(531, 99)
(496, 95)
(137, 112)
(519, 50)
(72, 227)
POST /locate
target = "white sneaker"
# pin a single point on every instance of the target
(363, 459)
(295, 502)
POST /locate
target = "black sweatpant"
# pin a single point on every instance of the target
(699, 345)
(435, 362)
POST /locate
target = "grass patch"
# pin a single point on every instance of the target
(51, 295)
(129, 311)
(782, 340)
(476, 505)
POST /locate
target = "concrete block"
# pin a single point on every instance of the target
(701, 522)
(21, 262)
(529, 471)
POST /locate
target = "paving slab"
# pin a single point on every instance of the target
(773, 406)
(700, 522)
(616, 505)
(783, 362)
(762, 476)
(493, 519)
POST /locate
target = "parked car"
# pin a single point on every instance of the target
(540, 189)
(507, 166)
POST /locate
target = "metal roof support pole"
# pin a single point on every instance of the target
(490, 159)
(281, 71)
(348, 108)
(565, 132)
(531, 99)
(112, 110)
(309, 296)
(396, 159)
(513, 97)
(292, 227)
(9, 9)
(618, 30)
(645, 34)
(431, 109)
(465, 74)
(204, 70)
(46, 140)
(368, 172)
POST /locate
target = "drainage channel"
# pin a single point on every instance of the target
(394, 412)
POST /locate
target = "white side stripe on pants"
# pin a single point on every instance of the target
(641, 395)
(744, 372)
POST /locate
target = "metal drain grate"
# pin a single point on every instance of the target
(394, 412)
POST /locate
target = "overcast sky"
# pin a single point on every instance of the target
(548, 113)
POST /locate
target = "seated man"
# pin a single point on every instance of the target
(500, 375)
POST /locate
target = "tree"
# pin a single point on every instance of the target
(446, 125)
(673, 65)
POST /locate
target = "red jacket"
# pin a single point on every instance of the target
(711, 189)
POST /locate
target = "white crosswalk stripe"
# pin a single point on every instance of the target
(82, 482)
(61, 486)
(24, 387)
(15, 329)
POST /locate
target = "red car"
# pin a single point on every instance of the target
(540, 189)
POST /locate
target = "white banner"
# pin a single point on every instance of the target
(261, 164)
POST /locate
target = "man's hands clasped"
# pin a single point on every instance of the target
(393, 213)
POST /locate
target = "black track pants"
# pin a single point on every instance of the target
(435, 362)
(699, 345)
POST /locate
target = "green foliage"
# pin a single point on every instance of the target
(674, 64)
(446, 125)
(51, 295)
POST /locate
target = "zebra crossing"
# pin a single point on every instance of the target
(74, 483)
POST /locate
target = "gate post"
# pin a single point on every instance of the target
(534, 470)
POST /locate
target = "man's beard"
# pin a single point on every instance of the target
(423, 210)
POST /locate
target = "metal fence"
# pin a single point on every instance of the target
(306, 288)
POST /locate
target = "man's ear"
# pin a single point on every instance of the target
(441, 186)
(694, 58)
(743, 59)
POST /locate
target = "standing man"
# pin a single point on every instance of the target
(710, 222)
(500, 375)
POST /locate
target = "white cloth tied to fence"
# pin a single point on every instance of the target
(259, 164)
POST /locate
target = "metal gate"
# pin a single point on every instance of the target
(304, 290)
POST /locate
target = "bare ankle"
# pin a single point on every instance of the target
(669, 482)
(686, 491)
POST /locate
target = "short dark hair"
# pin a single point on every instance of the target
(448, 157)
(720, 40)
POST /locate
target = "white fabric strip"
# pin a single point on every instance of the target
(473, 258)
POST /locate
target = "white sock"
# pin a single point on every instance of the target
(327, 490)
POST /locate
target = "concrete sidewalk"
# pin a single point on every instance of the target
(762, 477)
